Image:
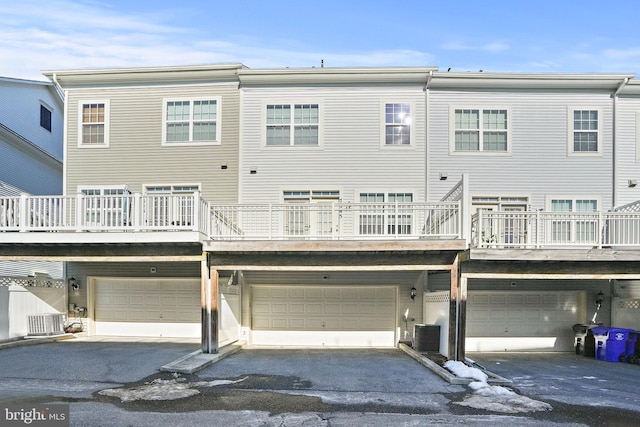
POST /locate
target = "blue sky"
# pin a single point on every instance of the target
(561, 36)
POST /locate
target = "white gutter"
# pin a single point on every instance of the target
(614, 97)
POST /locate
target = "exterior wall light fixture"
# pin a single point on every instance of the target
(74, 284)
(413, 293)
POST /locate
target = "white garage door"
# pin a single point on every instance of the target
(164, 307)
(522, 321)
(323, 316)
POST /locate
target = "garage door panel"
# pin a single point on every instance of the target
(134, 306)
(521, 321)
(327, 313)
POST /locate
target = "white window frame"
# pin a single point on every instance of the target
(402, 224)
(99, 213)
(173, 214)
(292, 125)
(480, 151)
(571, 131)
(508, 230)
(191, 142)
(309, 212)
(383, 125)
(106, 124)
(573, 226)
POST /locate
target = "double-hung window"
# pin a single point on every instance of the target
(192, 121)
(93, 124)
(397, 124)
(584, 131)
(292, 124)
(480, 130)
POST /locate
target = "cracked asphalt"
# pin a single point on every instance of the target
(295, 387)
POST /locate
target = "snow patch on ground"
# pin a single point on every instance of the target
(160, 389)
(493, 398)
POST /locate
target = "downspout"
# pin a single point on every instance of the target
(426, 137)
(614, 96)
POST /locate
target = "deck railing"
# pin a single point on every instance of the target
(335, 221)
(317, 221)
(122, 212)
(540, 229)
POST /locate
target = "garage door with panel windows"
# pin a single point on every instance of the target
(522, 320)
(323, 316)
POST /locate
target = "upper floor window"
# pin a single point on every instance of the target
(94, 124)
(292, 124)
(584, 131)
(481, 130)
(191, 121)
(45, 118)
(397, 124)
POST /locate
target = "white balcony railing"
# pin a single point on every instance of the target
(126, 212)
(336, 221)
(146, 212)
(539, 229)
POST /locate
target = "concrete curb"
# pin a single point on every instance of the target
(447, 375)
(33, 340)
(197, 360)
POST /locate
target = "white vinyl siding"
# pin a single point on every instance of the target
(192, 121)
(351, 155)
(480, 130)
(135, 147)
(296, 124)
(93, 124)
(584, 131)
(537, 160)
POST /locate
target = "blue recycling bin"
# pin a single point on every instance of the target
(616, 345)
(600, 334)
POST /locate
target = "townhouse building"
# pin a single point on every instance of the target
(343, 206)
(31, 117)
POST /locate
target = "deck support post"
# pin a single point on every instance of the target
(209, 304)
(457, 312)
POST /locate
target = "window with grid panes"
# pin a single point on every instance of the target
(397, 124)
(485, 130)
(585, 131)
(292, 124)
(93, 123)
(193, 120)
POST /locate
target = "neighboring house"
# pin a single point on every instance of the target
(343, 206)
(31, 128)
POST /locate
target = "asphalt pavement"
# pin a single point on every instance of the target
(112, 383)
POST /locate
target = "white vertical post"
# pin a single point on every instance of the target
(196, 211)
(79, 211)
(24, 212)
